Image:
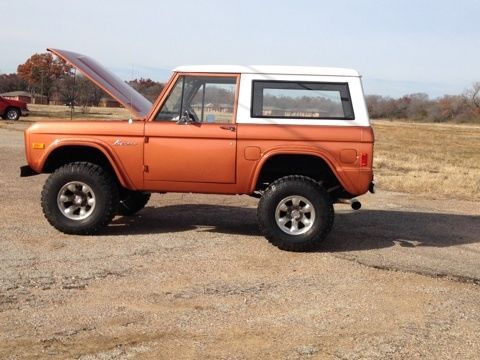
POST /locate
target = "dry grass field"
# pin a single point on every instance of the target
(432, 160)
(59, 112)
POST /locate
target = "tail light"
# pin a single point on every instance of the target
(363, 159)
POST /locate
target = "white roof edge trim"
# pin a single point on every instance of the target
(268, 69)
(306, 122)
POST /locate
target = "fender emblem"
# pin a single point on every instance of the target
(119, 142)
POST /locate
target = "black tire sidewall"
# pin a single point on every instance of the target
(103, 197)
(291, 186)
(17, 114)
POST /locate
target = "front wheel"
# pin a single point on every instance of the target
(295, 213)
(79, 198)
(12, 114)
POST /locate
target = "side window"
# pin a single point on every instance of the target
(209, 99)
(171, 107)
(301, 100)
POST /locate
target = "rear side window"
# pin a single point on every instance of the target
(301, 100)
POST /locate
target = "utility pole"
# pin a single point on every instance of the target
(72, 104)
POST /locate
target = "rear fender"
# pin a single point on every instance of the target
(323, 155)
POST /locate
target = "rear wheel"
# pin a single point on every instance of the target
(132, 201)
(79, 198)
(295, 213)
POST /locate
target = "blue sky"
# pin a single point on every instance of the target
(398, 46)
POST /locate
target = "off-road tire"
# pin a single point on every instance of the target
(132, 202)
(295, 187)
(99, 182)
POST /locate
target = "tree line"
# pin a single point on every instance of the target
(310, 104)
(419, 107)
(51, 78)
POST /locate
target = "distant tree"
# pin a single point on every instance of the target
(86, 93)
(42, 71)
(374, 106)
(472, 95)
(65, 89)
(449, 108)
(147, 87)
(78, 90)
(418, 106)
(12, 82)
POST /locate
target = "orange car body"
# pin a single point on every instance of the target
(226, 156)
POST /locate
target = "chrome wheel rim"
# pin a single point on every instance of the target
(76, 200)
(295, 215)
(11, 115)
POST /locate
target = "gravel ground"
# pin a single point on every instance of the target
(190, 277)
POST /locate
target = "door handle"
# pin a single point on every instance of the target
(229, 128)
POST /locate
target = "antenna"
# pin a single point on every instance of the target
(131, 100)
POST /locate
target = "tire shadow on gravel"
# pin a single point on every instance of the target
(178, 218)
(375, 229)
(352, 231)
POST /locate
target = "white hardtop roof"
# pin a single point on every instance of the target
(268, 69)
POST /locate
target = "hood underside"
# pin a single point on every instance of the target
(107, 81)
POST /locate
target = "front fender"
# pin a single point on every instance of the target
(98, 144)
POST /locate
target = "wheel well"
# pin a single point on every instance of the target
(68, 154)
(11, 107)
(291, 164)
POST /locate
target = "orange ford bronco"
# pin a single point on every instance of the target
(299, 138)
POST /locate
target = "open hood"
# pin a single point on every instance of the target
(107, 81)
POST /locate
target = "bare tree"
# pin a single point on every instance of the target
(472, 95)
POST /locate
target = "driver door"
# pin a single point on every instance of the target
(192, 138)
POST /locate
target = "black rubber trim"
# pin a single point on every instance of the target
(26, 171)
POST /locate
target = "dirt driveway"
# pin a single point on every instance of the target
(190, 277)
